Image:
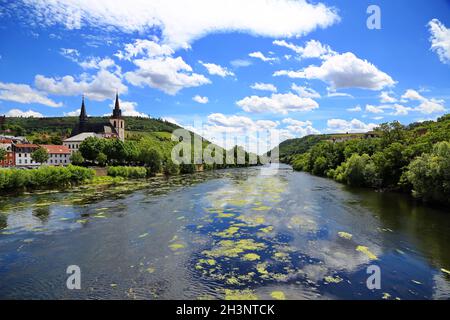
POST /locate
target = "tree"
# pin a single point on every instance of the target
(101, 159)
(115, 150)
(91, 147)
(2, 154)
(170, 168)
(76, 158)
(40, 155)
(152, 159)
(429, 174)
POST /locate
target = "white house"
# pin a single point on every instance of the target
(73, 143)
(58, 155)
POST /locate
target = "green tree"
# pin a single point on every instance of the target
(40, 155)
(152, 159)
(170, 168)
(2, 154)
(102, 159)
(115, 150)
(429, 174)
(76, 158)
(91, 147)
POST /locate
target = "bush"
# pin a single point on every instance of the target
(170, 168)
(15, 179)
(429, 174)
(128, 172)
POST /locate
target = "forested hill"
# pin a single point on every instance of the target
(64, 125)
(413, 158)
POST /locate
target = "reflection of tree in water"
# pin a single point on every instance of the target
(3, 221)
(424, 225)
(42, 213)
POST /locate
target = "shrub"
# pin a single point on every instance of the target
(127, 172)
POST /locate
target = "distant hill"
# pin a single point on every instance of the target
(64, 125)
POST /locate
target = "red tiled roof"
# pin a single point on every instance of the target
(56, 149)
(5, 141)
(26, 145)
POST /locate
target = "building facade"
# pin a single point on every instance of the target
(22, 153)
(9, 161)
(73, 143)
(57, 155)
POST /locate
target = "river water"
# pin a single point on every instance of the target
(242, 233)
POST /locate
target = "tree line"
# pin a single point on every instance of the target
(413, 159)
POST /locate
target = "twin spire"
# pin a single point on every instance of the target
(117, 113)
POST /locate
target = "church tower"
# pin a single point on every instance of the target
(83, 118)
(117, 121)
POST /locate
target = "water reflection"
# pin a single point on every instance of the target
(231, 234)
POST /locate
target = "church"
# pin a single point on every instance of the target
(92, 127)
(114, 128)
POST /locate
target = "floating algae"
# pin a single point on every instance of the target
(345, 235)
(150, 270)
(330, 279)
(233, 281)
(210, 262)
(366, 251)
(266, 229)
(261, 268)
(240, 295)
(445, 271)
(251, 257)
(143, 235)
(278, 295)
(227, 233)
(262, 208)
(281, 256)
(83, 221)
(176, 246)
(231, 248)
(385, 296)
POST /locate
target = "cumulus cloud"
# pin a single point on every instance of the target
(277, 103)
(259, 55)
(128, 109)
(215, 69)
(305, 92)
(181, 22)
(23, 114)
(264, 87)
(355, 109)
(74, 113)
(101, 86)
(344, 71)
(157, 68)
(240, 63)
(144, 47)
(386, 98)
(440, 40)
(374, 109)
(426, 105)
(312, 49)
(355, 125)
(23, 93)
(200, 99)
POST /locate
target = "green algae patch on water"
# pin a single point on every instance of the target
(367, 252)
(385, 296)
(266, 229)
(143, 235)
(278, 295)
(232, 248)
(262, 208)
(330, 279)
(251, 257)
(150, 270)
(176, 246)
(227, 233)
(281, 256)
(240, 295)
(210, 262)
(445, 271)
(345, 235)
(262, 269)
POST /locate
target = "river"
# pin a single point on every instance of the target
(239, 233)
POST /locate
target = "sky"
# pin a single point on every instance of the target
(290, 68)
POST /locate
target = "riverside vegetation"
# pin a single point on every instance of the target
(413, 158)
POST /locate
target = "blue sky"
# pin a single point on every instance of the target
(295, 67)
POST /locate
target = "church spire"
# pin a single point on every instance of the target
(117, 113)
(83, 114)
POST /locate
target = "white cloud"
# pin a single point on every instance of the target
(24, 114)
(261, 56)
(355, 125)
(264, 87)
(426, 105)
(305, 92)
(400, 110)
(144, 47)
(355, 109)
(440, 40)
(215, 69)
(386, 98)
(200, 99)
(99, 87)
(23, 93)
(277, 103)
(128, 109)
(182, 22)
(240, 63)
(344, 71)
(74, 113)
(312, 49)
(374, 109)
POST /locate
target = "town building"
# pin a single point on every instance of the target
(73, 143)
(9, 161)
(58, 155)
